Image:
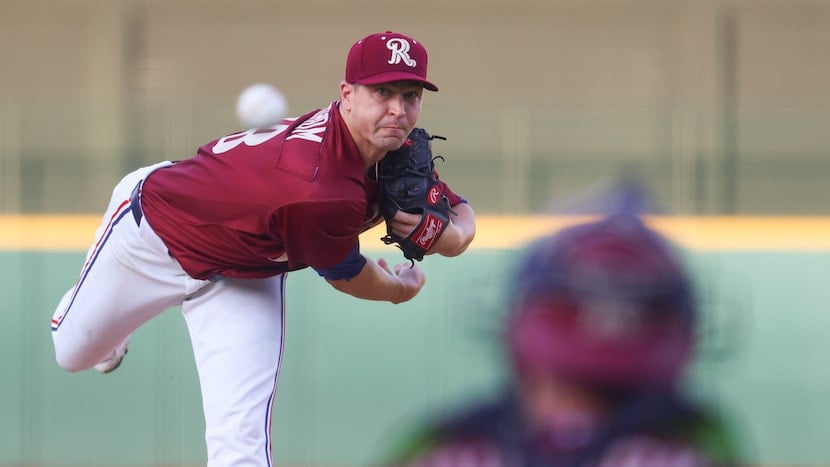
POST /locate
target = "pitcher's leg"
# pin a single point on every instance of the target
(110, 301)
(236, 327)
(127, 279)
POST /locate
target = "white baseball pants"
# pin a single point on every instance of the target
(236, 326)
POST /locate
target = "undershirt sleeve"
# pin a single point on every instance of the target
(346, 269)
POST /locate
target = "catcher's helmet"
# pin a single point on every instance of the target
(604, 303)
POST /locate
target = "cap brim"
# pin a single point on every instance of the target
(381, 78)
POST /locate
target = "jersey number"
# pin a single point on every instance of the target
(250, 138)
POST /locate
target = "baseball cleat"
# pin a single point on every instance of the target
(114, 360)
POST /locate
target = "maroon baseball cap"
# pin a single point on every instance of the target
(387, 56)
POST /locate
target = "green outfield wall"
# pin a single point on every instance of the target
(357, 373)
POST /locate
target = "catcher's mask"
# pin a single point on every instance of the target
(604, 303)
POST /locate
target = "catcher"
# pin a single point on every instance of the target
(600, 325)
(412, 200)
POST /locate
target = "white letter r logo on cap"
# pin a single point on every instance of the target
(400, 52)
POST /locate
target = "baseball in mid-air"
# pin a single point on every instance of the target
(260, 105)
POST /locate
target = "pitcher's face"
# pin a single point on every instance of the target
(380, 116)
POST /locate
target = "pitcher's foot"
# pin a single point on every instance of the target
(114, 360)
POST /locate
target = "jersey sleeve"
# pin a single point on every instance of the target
(320, 234)
(452, 197)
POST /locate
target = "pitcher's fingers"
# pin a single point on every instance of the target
(382, 263)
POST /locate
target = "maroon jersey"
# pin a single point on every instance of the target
(263, 202)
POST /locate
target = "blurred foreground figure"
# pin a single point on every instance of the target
(601, 325)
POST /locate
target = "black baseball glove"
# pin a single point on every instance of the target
(409, 184)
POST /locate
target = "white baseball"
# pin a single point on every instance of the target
(260, 105)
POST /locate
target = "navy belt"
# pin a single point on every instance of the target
(135, 203)
(135, 207)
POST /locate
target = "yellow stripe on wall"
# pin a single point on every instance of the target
(698, 233)
(76, 232)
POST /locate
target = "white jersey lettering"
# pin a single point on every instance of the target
(311, 129)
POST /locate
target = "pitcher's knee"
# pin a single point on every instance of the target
(71, 363)
(70, 359)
